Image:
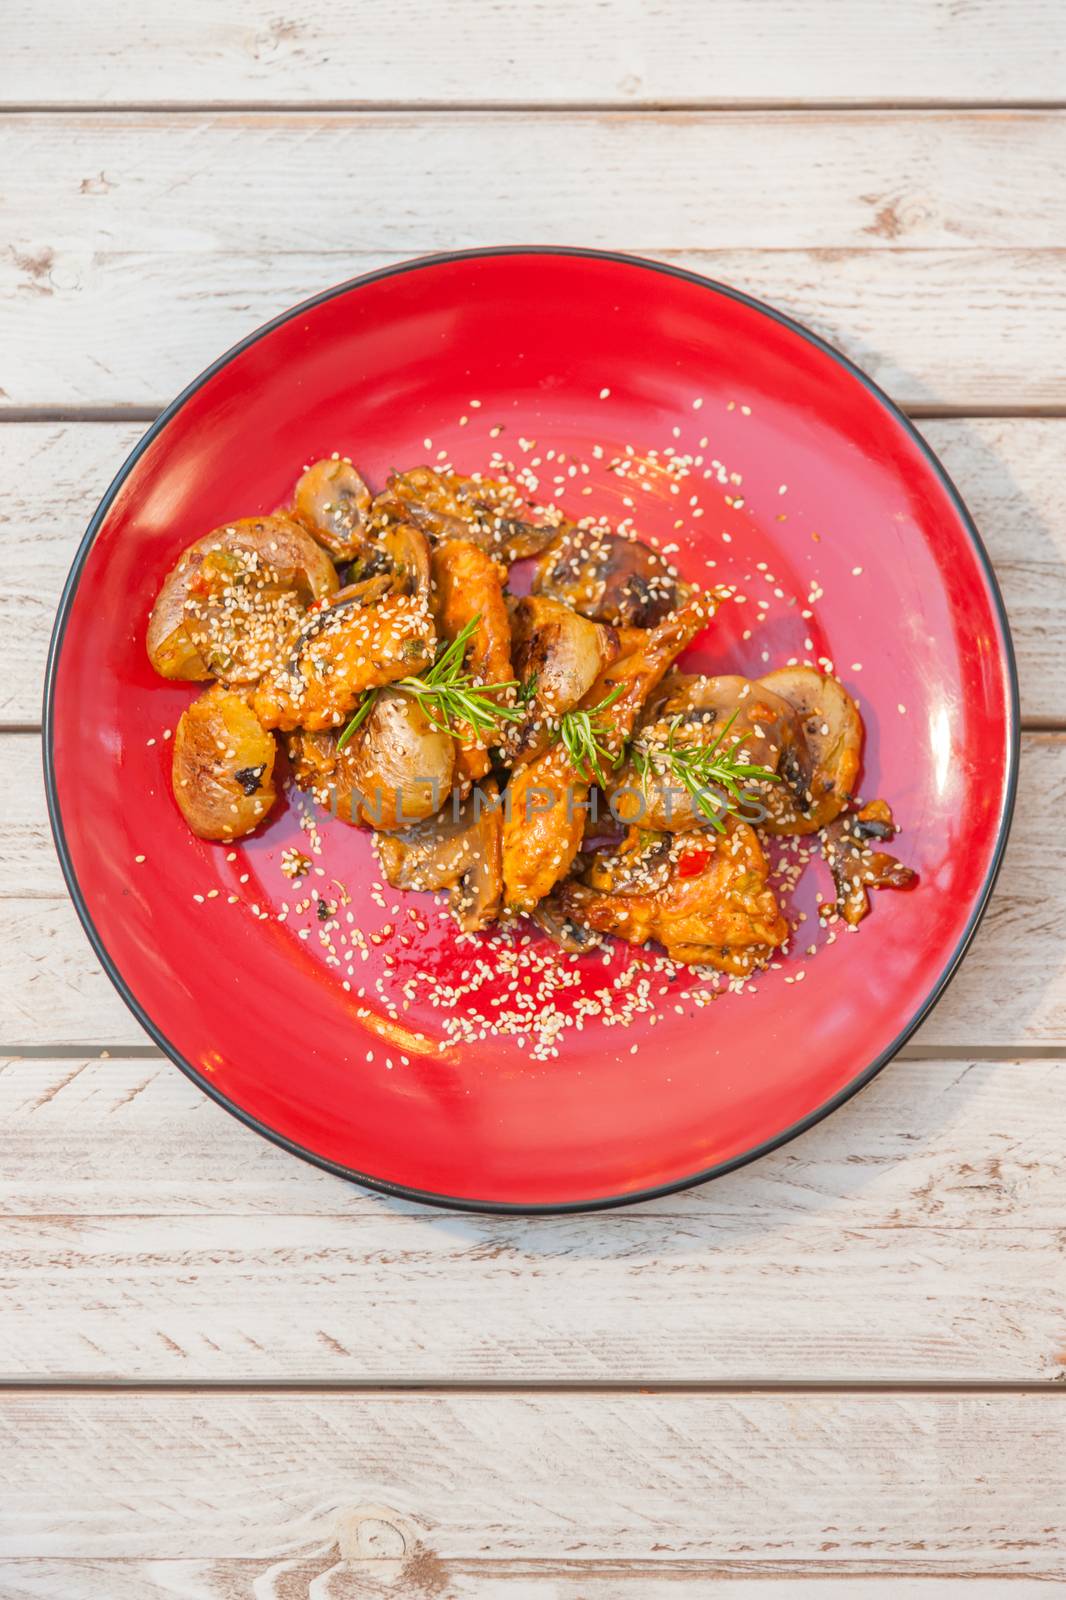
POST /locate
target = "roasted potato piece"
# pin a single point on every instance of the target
(557, 657)
(233, 596)
(711, 906)
(543, 830)
(608, 578)
(402, 766)
(447, 506)
(458, 850)
(819, 775)
(856, 866)
(222, 766)
(332, 502)
(466, 584)
(396, 769)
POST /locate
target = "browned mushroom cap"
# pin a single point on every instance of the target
(401, 765)
(447, 506)
(324, 772)
(608, 578)
(332, 502)
(222, 766)
(233, 596)
(697, 711)
(406, 554)
(557, 656)
(818, 786)
(459, 850)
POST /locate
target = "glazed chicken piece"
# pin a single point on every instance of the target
(222, 766)
(856, 866)
(347, 648)
(458, 850)
(708, 902)
(234, 598)
(447, 506)
(370, 635)
(608, 578)
(549, 797)
(557, 656)
(467, 584)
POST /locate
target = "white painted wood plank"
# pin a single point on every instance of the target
(956, 329)
(886, 231)
(145, 1234)
(104, 1579)
(656, 52)
(966, 1145)
(1010, 991)
(1009, 471)
(894, 1485)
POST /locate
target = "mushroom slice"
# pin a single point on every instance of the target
(457, 850)
(447, 506)
(222, 766)
(332, 502)
(716, 907)
(233, 596)
(569, 936)
(608, 578)
(820, 775)
(557, 657)
(856, 866)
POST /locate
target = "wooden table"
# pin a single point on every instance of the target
(227, 1374)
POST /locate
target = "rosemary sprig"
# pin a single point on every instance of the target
(709, 774)
(582, 734)
(448, 693)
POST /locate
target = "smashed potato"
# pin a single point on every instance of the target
(222, 766)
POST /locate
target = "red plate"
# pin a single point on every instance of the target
(838, 491)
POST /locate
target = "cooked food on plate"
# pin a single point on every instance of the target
(540, 754)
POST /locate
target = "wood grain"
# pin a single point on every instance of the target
(892, 1485)
(956, 330)
(1010, 991)
(931, 246)
(146, 1235)
(694, 51)
(429, 1579)
(1009, 471)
